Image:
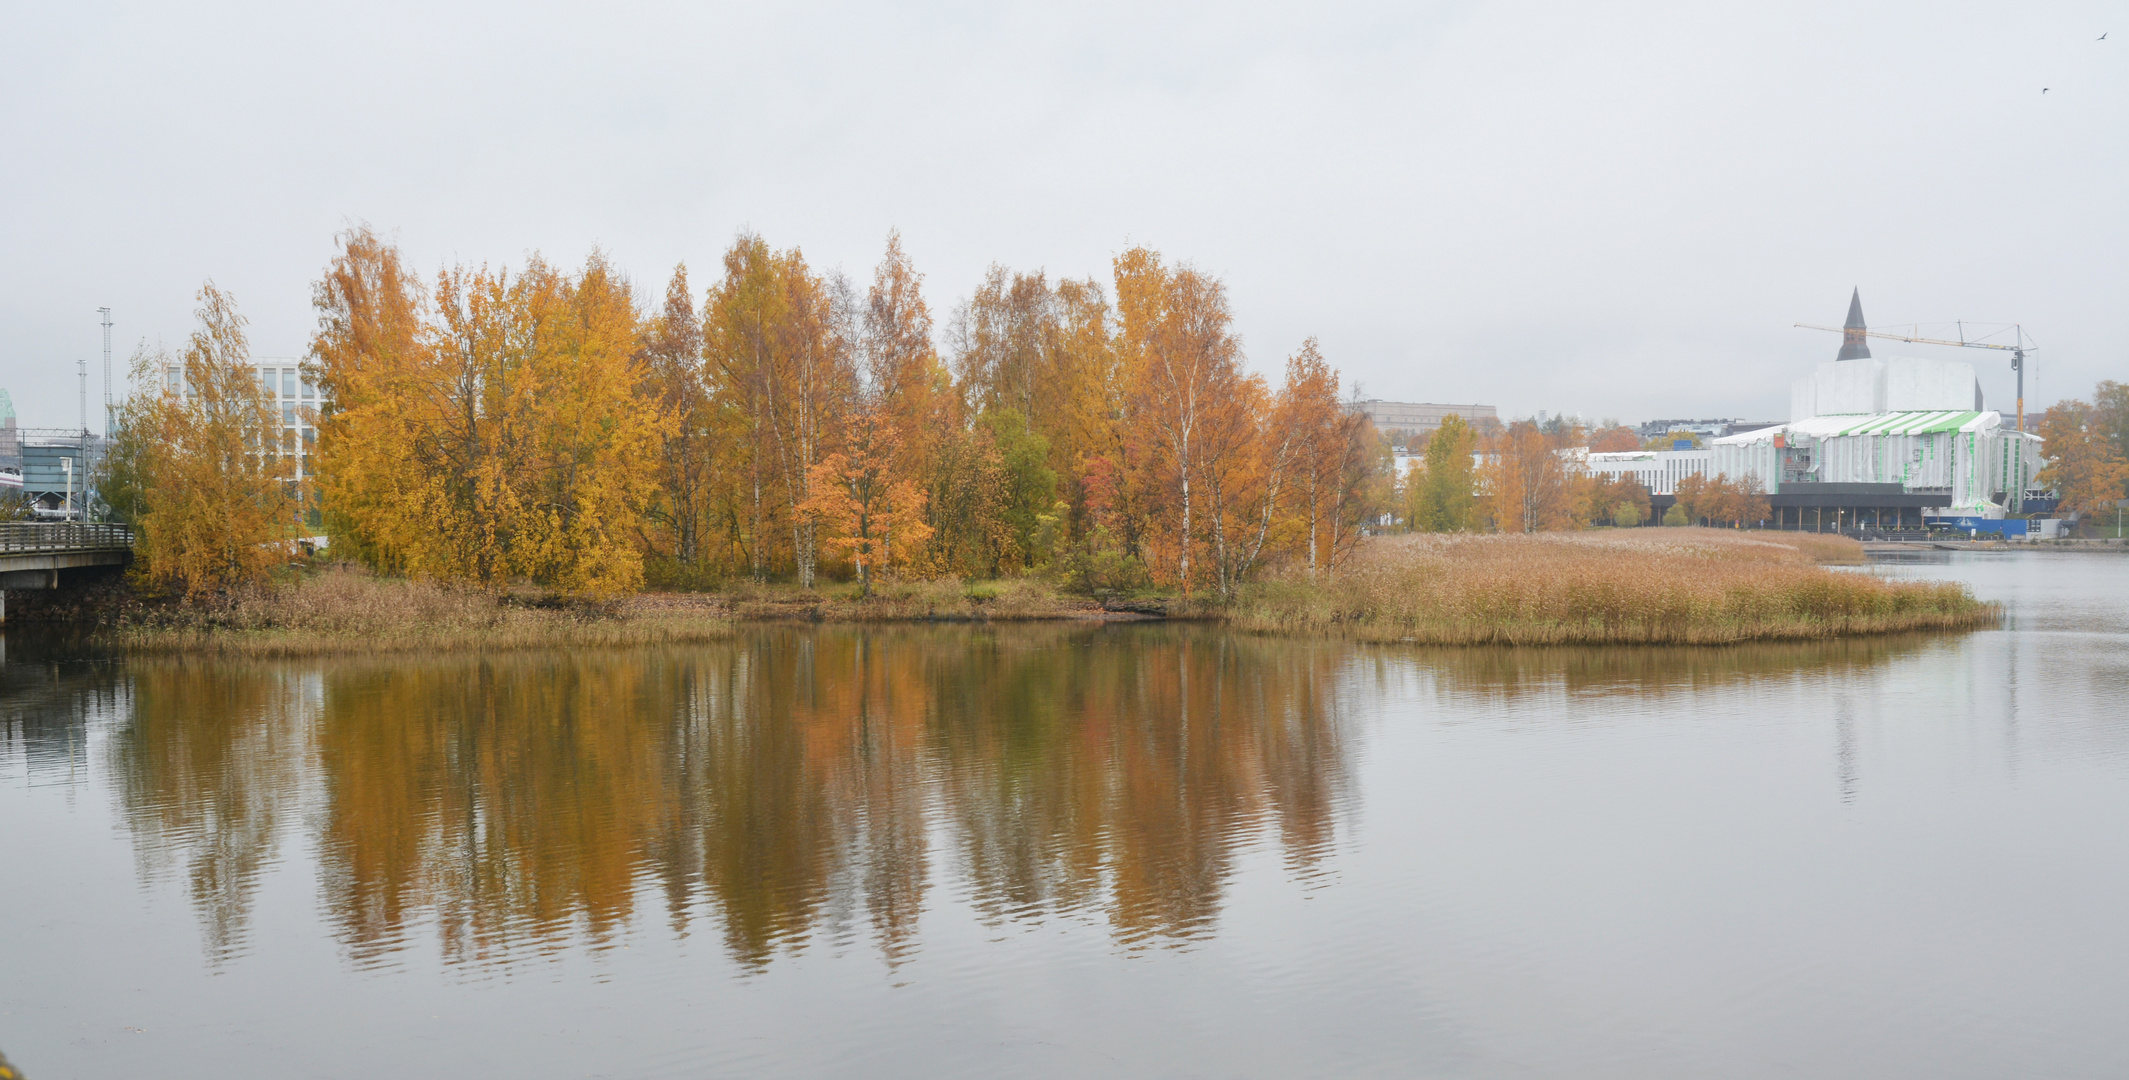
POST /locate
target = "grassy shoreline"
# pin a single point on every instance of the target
(1630, 587)
(1639, 587)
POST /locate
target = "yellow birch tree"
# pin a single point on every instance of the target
(217, 496)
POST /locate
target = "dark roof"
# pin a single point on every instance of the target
(1854, 346)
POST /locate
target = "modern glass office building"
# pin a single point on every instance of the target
(293, 396)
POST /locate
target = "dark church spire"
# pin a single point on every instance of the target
(1854, 346)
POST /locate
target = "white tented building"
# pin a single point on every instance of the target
(1899, 435)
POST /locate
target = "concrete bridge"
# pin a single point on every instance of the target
(33, 553)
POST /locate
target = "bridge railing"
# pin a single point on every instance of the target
(17, 537)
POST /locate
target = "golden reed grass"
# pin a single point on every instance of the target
(1640, 586)
(1644, 586)
(344, 610)
(341, 609)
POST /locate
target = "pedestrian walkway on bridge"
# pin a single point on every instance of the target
(33, 553)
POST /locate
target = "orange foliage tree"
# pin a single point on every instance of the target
(671, 358)
(1613, 439)
(503, 425)
(2086, 461)
(1719, 500)
(867, 511)
(503, 437)
(782, 366)
(1530, 487)
(216, 500)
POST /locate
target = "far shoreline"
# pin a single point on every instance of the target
(1669, 586)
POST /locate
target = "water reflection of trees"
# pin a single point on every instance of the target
(790, 783)
(1128, 780)
(1511, 672)
(209, 772)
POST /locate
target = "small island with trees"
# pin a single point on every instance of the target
(513, 458)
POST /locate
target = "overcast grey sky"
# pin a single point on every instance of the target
(1613, 209)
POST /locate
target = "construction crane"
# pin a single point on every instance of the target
(2018, 351)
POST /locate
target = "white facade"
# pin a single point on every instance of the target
(1971, 456)
(1658, 470)
(1901, 420)
(1893, 384)
(285, 385)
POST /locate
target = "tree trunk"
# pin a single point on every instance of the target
(1312, 526)
(1185, 572)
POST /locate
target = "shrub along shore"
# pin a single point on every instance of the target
(1623, 587)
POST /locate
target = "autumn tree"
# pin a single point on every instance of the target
(1721, 500)
(1310, 423)
(1613, 438)
(1188, 367)
(1026, 503)
(867, 512)
(1135, 491)
(1005, 337)
(1244, 455)
(781, 344)
(2085, 463)
(1619, 499)
(2110, 408)
(1092, 385)
(368, 355)
(1743, 501)
(1446, 500)
(1364, 485)
(505, 440)
(967, 504)
(675, 384)
(213, 484)
(902, 370)
(1530, 486)
(905, 376)
(504, 425)
(1044, 354)
(1696, 498)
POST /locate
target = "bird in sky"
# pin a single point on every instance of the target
(2043, 89)
(2102, 37)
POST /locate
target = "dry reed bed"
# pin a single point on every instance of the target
(951, 600)
(1648, 586)
(341, 610)
(1642, 586)
(345, 610)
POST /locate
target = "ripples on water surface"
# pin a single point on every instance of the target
(1062, 850)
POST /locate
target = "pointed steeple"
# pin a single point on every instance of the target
(1854, 346)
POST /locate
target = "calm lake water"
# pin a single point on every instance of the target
(1055, 850)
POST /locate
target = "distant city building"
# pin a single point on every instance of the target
(1890, 442)
(1658, 470)
(55, 466)
(1713, 429)
(1415, 420)
(10, 448)
(293, 395)
(50, 467)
